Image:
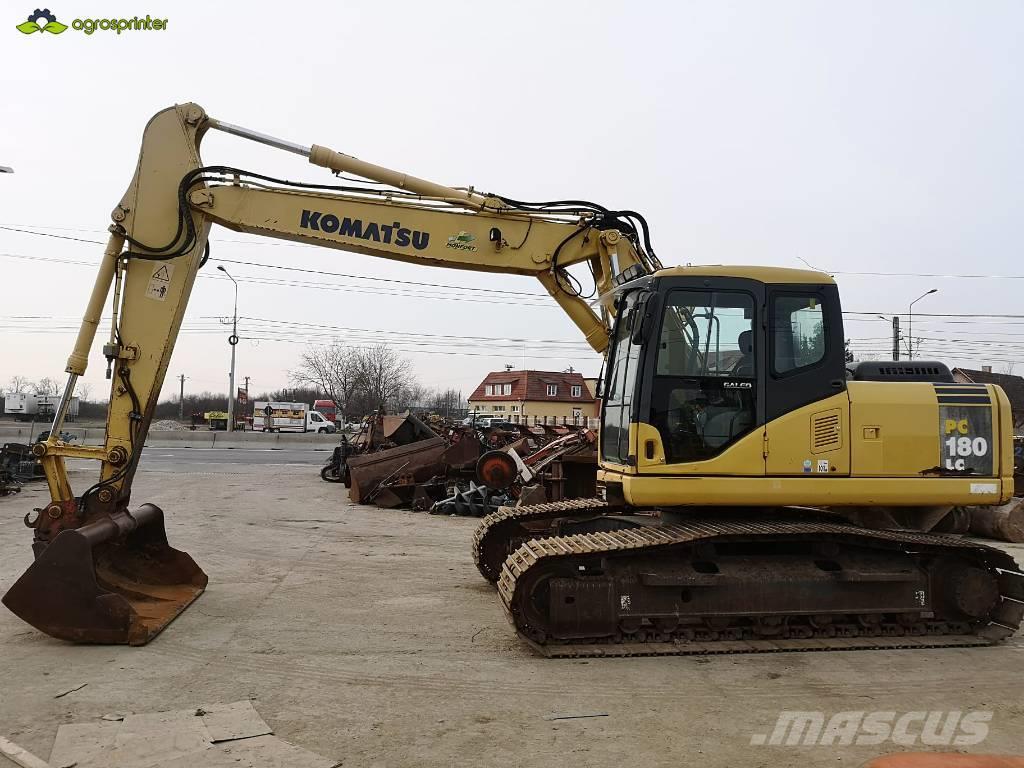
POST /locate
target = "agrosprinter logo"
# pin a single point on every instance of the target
(44, 21)
(49, 23)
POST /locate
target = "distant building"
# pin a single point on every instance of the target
(536, 397)
(1012, 385)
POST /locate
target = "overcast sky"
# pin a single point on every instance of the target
(869, 137)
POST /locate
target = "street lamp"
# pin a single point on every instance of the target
(233, 341)
(910, 323)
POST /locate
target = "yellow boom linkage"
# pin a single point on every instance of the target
(119, 579)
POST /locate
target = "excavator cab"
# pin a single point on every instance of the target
(702, 358)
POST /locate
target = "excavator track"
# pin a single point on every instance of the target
(749, 585)
(501, 532)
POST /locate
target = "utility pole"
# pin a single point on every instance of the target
(895, 337)
(181, 398)
(233, 341)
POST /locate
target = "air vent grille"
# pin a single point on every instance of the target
(826, 433)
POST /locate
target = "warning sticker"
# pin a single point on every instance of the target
(965, 437)
(160, 281)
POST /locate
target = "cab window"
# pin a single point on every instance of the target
(798, 332)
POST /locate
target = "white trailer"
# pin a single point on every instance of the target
(26, 407)
(21, 405)
(48, 405)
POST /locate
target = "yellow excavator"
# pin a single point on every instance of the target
(755, 493)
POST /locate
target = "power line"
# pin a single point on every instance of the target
(27, 228)
(925, 274)
(301, 269)
(367, 290)
(495, 290)
(305, 333)
(407, 333)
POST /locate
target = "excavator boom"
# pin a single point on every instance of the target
(129, 583)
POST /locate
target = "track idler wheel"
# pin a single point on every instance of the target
(966, 591)
(115, 580)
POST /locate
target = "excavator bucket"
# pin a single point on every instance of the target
(115, 580)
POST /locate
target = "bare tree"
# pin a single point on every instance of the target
(19, 384)
(383, 374)
(84, 391)
(48, 386)
(446, 403)
(359, 379)
(411, 396)
(334, 370)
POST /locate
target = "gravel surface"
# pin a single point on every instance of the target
(367, 635)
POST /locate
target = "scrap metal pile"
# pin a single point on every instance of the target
(455, 469)
(18, 464)
(1002, 523)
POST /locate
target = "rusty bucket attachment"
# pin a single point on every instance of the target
(115, 580)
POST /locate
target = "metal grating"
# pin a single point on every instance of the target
(826, 434)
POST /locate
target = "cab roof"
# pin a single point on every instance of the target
(761, 274)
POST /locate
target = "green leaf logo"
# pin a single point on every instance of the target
(49, 23)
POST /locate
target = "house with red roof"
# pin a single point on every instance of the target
(536, 397)
(1012, 385)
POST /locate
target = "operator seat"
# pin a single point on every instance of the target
(745, 365)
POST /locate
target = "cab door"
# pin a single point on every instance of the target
(702, 409)
(807, 407)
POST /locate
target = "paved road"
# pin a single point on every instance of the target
(223, 460)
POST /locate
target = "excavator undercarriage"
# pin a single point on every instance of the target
(582, 579)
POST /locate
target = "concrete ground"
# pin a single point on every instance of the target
(367, 635)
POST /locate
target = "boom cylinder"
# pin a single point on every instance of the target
(336, 161)
(79, 358)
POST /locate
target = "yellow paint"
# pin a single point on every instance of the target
(888, 437)
(895, 427)
(804, 491)
(150, 296)
(885, 434)
(962, 426)
(744, 457)
(768, 275)
(791, 440)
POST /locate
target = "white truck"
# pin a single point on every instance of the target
(26, 407)
(288, 417)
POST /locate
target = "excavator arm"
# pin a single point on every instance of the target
(158, 243)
